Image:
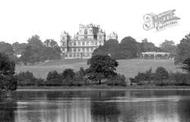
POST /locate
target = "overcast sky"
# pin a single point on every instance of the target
(20, 19)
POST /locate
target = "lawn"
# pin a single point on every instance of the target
(127, 67)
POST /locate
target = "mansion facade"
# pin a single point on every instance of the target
(84, 42)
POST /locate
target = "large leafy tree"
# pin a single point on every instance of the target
(186, 65)
(50, 43)
(183, 50)
(101, 67)
(169, 46)
(37, 51)
(110, 47)
(146, 46)
(6, 48)
(129, 48)
(19, 48)
(7, 70)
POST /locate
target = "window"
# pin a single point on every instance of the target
(83, 43)
(85, 31)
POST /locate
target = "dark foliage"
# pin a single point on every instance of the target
(101, 67)
(36, 51)
(53, 79)
(25, 79)
(186, 65)
(7, 70)
(117, 80)
(68, 77)
(161, 74)
(183, 50)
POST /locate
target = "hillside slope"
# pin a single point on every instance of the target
(127, 67)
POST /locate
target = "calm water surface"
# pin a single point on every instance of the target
(97, 106)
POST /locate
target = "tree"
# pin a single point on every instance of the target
(68, 76)
(35, 41)
(128, 48)
(168, 46)
(25, 78)
(146, 46)
(183, 50)
(7, 70)
(7, 49)
(36, 51)
(50, 43)
(186, 65)
(161, 74)
(54, 78)
(110, 47)
(101, 66)
(19, 48)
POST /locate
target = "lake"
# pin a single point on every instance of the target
(97, 106)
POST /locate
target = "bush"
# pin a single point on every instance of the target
(161, 74)
(117, 80)
(68, 77)
(180, 78)
(53, 79)
(80, 78)
(143, 78)
(7, 70)
(25, 79)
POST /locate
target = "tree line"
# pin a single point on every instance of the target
(102, 70)
(36, 50)
(33, 51)
(129, 48)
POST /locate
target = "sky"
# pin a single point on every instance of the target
(20, 19)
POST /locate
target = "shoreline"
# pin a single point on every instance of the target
(102, 88)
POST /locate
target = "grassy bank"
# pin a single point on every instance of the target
(129, 68)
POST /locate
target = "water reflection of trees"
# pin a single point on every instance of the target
(104, 112)
(103, 109)
(7, 110)
(184, 110)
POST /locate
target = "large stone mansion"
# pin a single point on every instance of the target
(84, 42)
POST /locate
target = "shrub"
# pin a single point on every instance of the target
(117, 80)
(180, 78)
(161, 74)
(25, 78)
(53, 79)
(7, 70)
(80, 78)
(68, 77)
(143, 78)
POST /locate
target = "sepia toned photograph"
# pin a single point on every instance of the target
(94, 61)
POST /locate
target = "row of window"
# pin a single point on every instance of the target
(78, 55)
(85, 43)
(82, 49)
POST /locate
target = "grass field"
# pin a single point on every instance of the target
(127, 67)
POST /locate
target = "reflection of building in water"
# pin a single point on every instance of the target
(49, 111)
(155, 55)
(75, 111)
(84, 42)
